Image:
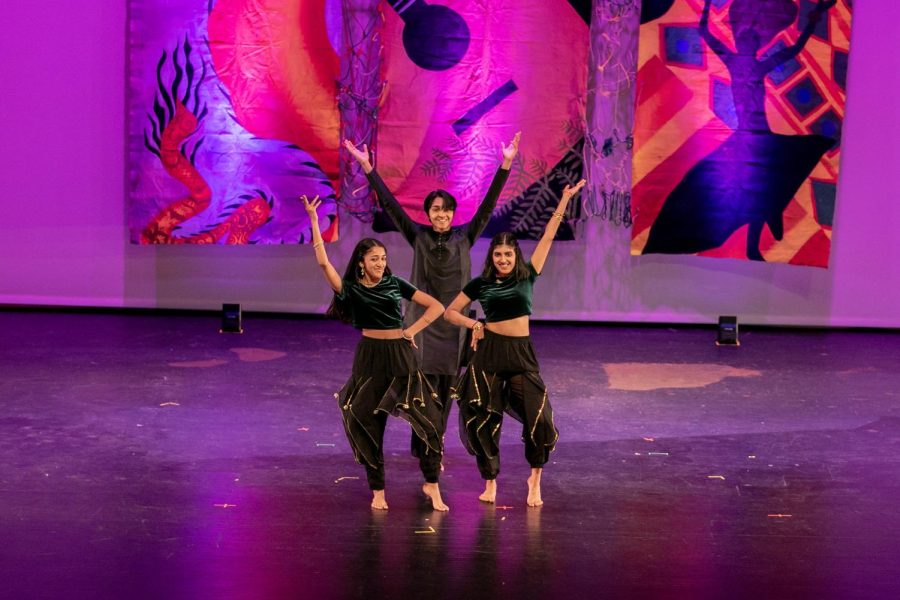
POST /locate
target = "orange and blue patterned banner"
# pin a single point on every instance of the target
(737, 128)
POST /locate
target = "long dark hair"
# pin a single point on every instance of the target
(505, 238)
(340, 308)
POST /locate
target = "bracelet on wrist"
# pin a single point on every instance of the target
(408, 338)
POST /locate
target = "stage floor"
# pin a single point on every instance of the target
(149, 456)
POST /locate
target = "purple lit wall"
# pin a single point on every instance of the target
(64, 239)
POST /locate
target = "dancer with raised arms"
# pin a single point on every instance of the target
(385, 378)
(504, 375)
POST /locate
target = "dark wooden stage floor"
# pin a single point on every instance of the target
(149, 456)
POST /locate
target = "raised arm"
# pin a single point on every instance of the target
(712, 41)
(385, 198)
(790, 52)
(486, 208)
(331, 275)
(543, 246)
(455, 316)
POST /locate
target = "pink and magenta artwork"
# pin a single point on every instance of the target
(237, 108)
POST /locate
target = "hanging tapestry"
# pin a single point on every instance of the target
(460, 78)
(233, 110)
(232, 116)
(737, 128)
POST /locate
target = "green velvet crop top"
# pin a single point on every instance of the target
(377, 307)
(504, 299)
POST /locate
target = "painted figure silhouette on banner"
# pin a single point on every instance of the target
(751, 177)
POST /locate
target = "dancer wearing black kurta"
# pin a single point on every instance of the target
(441, 266)
(503, 375)
(385, 378)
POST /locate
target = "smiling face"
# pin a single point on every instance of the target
(440, 215)
(504, 259)
(373, 263)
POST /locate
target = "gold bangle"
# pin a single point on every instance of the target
(318, 245)
(558, 215)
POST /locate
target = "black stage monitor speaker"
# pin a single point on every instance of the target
(728, 332)
(231, 319)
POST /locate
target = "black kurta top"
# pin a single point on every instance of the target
(441, 266)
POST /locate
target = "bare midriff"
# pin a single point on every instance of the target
(517, 327)
(383, 334)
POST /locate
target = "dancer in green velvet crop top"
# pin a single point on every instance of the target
(504, 373)
(386, 378)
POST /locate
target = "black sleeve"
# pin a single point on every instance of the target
(344, 294)
(473, 288)
(394, 211)
(407, 290)
(483, 215)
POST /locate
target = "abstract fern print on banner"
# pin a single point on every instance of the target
(460, 78)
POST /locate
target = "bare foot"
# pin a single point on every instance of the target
(433, 491)
(378, 501)
(534, 488)
(490, 491)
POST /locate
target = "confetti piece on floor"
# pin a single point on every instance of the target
(324, 445)
(751, 456)
(225, 505)
(505, 507)
(646, 439)
(722, 477)
(170, 404)
(339, 479)
(303, 429)
(779, 516)
(502, 518)
(657, 454)
(429, 530)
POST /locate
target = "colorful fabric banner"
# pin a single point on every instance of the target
(737, 129)
(463, 76)
(232, 115)
(234, 110)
